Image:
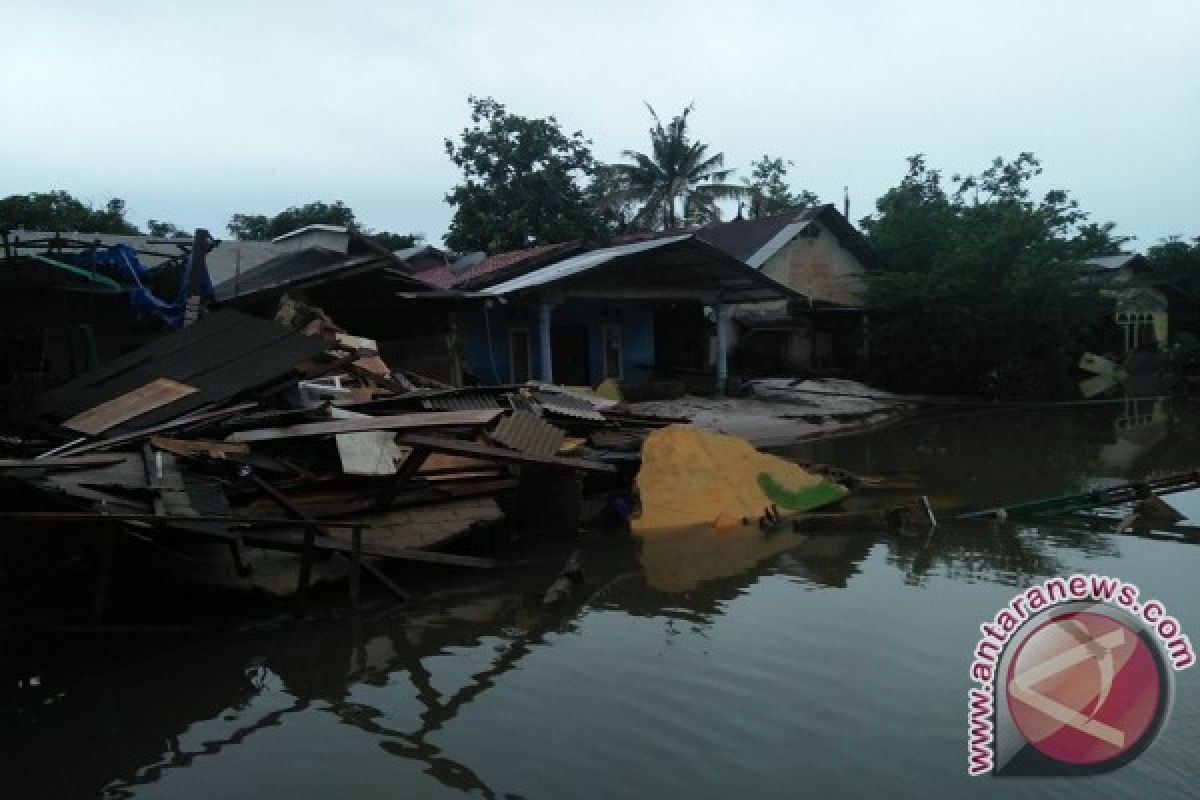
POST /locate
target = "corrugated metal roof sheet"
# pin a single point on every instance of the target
(483, 400)
(526, 432)
(566, 405)
(581, 263)
(664, 267)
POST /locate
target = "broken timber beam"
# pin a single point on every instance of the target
(396, 422)
(311, 534)
(459, 447)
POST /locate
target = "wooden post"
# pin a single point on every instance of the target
(547, 352)
(304, 576)
(202, 242)
(355, 564)
(312, 526)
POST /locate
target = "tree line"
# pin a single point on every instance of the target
(59, 212)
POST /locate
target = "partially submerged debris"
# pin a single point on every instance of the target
(692, 477)
(211, 435)
(1122, 494)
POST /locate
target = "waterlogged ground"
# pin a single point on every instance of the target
(747, 667)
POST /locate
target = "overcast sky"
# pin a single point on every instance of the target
(192, 111)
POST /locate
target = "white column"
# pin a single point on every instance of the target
(721, 317)
(547, 356)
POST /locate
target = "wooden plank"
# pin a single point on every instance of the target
(295, 543)
(463, 448)
(396, 422)
(191, 447)
(90, 518)
(155, 394)
(62, 462)
(197, 417)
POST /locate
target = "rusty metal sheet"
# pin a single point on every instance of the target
(466, 401)
(526, 432)
(567, 405)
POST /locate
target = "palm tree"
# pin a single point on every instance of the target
(677, 176)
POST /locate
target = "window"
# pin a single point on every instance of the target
(612, 351)
(519, 359)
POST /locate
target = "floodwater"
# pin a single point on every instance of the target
(765, 667)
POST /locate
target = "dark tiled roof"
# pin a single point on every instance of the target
(742, 238)
(505, 265)
(221, 355)
(312, 266)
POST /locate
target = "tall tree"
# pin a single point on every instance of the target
(769, 190)
(58, 211)
(677, 182)
(523, 182)
(979, 291)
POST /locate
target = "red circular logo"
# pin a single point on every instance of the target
(1084, 688)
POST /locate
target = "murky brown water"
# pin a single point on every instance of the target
(761, 667)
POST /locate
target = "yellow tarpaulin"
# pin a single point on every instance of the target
(692, 477)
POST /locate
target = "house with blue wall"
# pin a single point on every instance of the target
(602, 313)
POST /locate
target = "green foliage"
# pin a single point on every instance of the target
(769, 191)
(677, 183)
(249, 227)
(979, 291)
(261, 228)
(59, 212)
(258, 227)
(164, 230)
(1175, 263)
(396, 241)
(522, 182)
(1175, 268)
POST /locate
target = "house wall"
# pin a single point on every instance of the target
(819, 267)
(635, 318)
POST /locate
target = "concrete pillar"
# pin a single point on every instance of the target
(547, 355)
(721, 317)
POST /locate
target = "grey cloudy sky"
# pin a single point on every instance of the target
(192, 111)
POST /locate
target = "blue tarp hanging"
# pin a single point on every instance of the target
(124, 259)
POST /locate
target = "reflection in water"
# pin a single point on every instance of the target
(681, 559)
(401, 689)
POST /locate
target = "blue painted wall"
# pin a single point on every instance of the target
(636, 319)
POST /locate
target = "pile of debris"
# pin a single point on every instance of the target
(256, 438)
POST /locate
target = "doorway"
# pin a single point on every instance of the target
(570, 361)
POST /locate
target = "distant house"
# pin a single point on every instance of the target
(819, 254)
(1139, 318)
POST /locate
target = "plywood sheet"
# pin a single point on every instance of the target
(155, 394)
